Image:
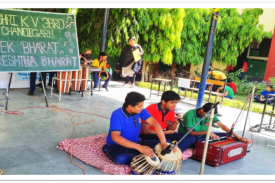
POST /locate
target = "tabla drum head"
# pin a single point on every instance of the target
(154, 161)
(173, 156)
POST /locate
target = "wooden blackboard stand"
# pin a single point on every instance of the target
(8, 91)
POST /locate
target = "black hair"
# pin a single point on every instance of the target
(229, 80)
(133, 98)
(270, 86)
(169, 96)
(206, 107)
(102, 54)
(209, 69)
(134, 38)
(244, 60)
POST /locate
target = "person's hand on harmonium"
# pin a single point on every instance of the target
(214, 136)
(247, 140)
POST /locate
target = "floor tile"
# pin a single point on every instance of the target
(18, 156)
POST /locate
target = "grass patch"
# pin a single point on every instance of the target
(237, 102)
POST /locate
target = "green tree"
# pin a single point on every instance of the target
(122, 24)
(89, 29)
(160, 34)
(234, 32)
(193, 36)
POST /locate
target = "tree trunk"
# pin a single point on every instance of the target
(173, 70)
(143, 70)
(151, 71)
(156, 70)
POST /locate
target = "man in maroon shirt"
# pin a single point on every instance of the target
(232, 85)
(244, 67)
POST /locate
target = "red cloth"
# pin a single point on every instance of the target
(244, 67)
(168, 119)
(229, 68)
(233, 86)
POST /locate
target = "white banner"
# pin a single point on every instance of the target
(184, 83)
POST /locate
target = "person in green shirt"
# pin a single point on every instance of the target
(228, 92)
(194, 115)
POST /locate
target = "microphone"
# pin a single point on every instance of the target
(231, 130)
(177, 114)
(180, 120)
(168, 149)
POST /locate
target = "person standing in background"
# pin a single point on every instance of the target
(244, 67)
(128, 67)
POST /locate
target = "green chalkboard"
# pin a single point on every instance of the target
(37, 41)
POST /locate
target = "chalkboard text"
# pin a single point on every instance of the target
(37, 41)
(30, 61)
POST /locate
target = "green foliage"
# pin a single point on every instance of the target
(160, 33)
(233, 34)
(193, 37)
(163, 36)
(89, 29)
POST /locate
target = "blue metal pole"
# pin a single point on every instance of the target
(207, 57)
(104, 32)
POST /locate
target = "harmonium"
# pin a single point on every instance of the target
(221, 151)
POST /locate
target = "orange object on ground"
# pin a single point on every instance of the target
(76, 84)
(65, 85)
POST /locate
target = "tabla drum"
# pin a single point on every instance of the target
(1, 172)
(85, 77)
(64, 85)
(169, 163)
(144, 165)
(76, 77)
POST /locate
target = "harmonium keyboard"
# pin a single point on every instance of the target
(221, 151)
